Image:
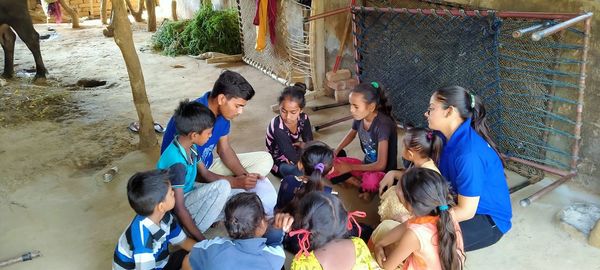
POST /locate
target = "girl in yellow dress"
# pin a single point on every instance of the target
(323, 232)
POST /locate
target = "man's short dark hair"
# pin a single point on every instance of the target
(192, 116)
(146, 189)
(232, 85)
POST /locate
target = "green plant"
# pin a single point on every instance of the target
(168, 38)
(208, 31)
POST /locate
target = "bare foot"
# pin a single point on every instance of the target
(353, 181)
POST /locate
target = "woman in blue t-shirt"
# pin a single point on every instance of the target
(470, 161)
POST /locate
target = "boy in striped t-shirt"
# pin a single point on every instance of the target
(144, 244)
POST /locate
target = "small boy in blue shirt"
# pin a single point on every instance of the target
(144, 243)
(198, 200)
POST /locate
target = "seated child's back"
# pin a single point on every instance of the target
(246, 224)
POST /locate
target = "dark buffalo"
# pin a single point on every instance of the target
(14, 14)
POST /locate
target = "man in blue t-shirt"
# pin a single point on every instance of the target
(245, 171)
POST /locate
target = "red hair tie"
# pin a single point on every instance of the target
(303, 241)
(351, 219)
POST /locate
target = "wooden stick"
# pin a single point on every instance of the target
(327, 14)
(331, 123)
(340, 54)
(73, 13)
(223, 59)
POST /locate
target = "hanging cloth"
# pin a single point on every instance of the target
(272, 15)
(54, 10)
(260, 20)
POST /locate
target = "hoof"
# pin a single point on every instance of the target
(39, 80)
(108, 32)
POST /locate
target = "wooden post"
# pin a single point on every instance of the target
(137, 15)
(73, 13)
(103, 18)
(124, 39)
(317, 47)
(174, 9)
(150, 7)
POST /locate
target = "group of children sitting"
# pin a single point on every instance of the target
(417, 232)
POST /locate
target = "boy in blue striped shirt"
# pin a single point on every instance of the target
(144, 244)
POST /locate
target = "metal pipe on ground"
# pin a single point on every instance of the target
(331, 123)
(527, 201)
(25, 257)
(322, 107)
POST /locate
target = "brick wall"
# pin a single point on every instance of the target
(88, 8)
(91, 8)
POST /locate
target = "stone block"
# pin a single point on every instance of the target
(341, 74)
(578, 220)
(348, 84)
(341, 96)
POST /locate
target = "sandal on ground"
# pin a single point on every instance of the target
(135, 127)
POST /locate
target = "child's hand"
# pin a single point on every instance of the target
(386, 183)
(379, 255)
(341, 167)
(283, 221)
(388, 180)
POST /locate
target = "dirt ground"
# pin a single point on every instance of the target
(56, 141)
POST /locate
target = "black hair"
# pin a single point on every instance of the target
(373, 92)
(296, 93)
(324, 215)
(147, 189)
(243, 214)
(314, 152)
(468, 105)
(425, 191)
(192, 116)
(232, 85)
(425, 142)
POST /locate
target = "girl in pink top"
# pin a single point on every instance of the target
(432, 238)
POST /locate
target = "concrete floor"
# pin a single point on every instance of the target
(75, 219)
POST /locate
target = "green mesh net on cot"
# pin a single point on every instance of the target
(530, 88)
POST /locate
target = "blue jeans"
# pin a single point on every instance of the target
(286, 169)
